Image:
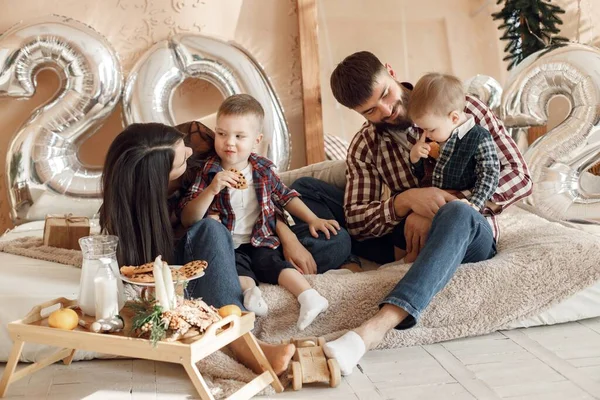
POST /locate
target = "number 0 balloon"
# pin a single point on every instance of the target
(231, 69)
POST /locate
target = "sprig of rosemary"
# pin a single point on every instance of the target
(147, 320)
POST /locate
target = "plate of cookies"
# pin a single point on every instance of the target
(142, 275)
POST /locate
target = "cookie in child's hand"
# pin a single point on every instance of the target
(241, 184)
(434, 150)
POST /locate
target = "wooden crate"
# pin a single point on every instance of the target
(34, 328)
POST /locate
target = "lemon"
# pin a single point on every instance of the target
(63, 318)
(230, 309)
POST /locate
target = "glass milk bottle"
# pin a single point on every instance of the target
(94, 249)
(106, 291)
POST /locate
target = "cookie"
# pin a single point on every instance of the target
(193, 268)
(130, 270)
(142, 278)
(434, 150)
(177, 275)
(242, 183)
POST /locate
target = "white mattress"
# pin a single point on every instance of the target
(27, 282)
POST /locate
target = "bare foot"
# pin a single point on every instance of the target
(352, 267)
(278, 355)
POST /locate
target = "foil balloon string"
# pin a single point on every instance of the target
(154, 78)
(559, 160)
(44, 173)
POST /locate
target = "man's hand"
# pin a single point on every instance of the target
(416, 230)
(426, 201)
(301, 259)
(323, 225)
(420, 149)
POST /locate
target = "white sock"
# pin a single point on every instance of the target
(340, 271)
(253, 301)
(347, 350)
(311, 305)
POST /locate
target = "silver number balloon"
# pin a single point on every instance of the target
(44, 172)
(558, 161)
(486, 88)
(154, 78)
(489, 90)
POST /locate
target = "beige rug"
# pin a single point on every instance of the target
(539, 263)
(33, 247)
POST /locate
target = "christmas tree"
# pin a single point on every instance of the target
(529, 26)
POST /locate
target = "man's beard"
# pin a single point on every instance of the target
(401, 123)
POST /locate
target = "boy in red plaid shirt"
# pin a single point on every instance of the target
(251, 214)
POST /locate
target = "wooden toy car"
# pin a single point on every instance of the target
(309, 364)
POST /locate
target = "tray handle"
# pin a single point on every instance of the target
(36, 312)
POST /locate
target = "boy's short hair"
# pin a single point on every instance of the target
(242, 104)
(353, 79)
(437, 94)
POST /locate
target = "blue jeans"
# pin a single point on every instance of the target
(209, 240)
(264, 264)
(458, 234)
(329, 253)
(326, 201)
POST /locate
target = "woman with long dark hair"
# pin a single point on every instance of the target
(142, 178)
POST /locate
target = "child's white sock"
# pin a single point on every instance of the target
(311, 305)
(347, 350)
(253, 301)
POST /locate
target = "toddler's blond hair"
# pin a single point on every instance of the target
(437, 94)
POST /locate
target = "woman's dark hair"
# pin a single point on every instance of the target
(135, 189)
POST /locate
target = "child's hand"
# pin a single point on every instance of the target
(300, 257)
(222, 180)
(420, 149)
(323, 225)
(214, 216)
(468, 203)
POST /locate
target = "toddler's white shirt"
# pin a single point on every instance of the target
(246, 209)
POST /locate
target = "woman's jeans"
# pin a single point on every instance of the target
(209, 240)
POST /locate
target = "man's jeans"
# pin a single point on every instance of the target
(458, 234)
(329, 253)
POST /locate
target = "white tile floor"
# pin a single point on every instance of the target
(554, 362)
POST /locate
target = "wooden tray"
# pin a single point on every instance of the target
(34, 328)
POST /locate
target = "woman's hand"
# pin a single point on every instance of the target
(323, 225)
(299, 256)
(222, 180)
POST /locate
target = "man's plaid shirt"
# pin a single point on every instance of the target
(467, 161)
(270, 192)
(378, 158)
